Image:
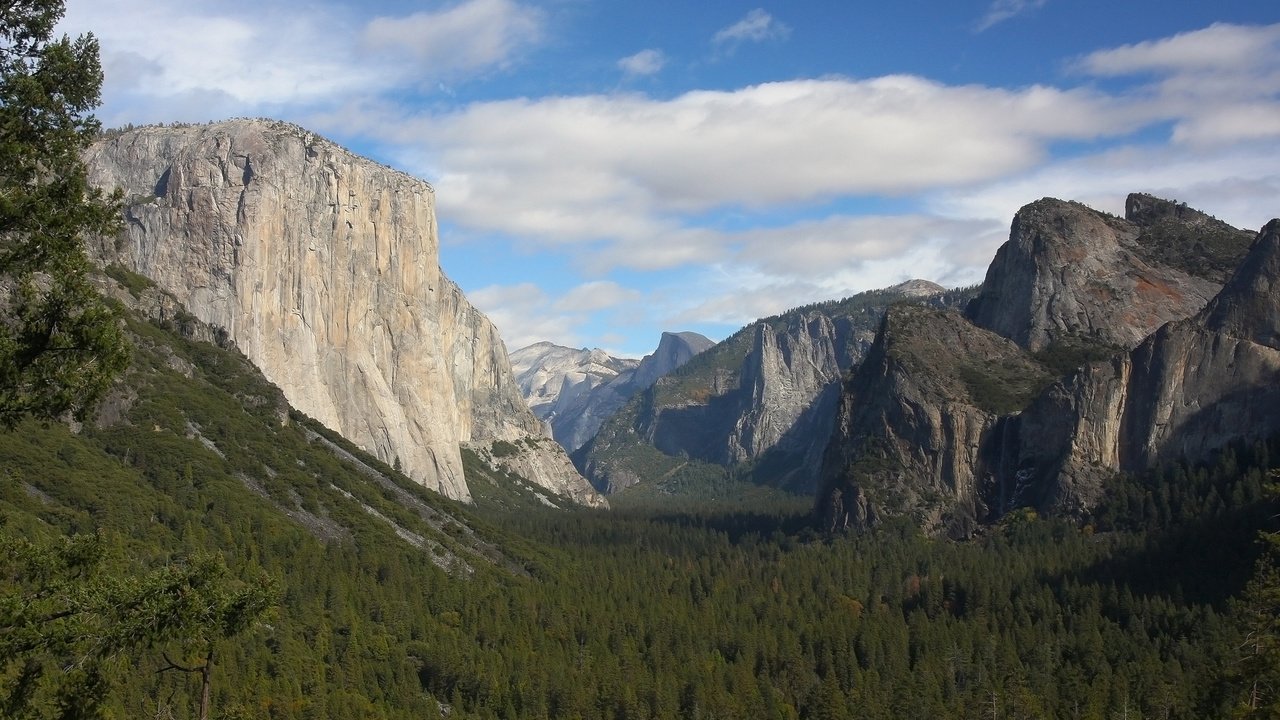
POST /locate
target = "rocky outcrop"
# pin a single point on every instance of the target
(1189, 390)
(764, 398)
(1072, 274)
(322, 267)
(542, 458)
(916, 419)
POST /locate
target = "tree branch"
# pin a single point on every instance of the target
(175, 666)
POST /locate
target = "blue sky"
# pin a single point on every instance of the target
(607, 170)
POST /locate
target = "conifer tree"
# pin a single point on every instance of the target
(1258, 612)
(69, 616)
(60, 345)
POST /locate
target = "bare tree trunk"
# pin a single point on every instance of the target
(205, 675)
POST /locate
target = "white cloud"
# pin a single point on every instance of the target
(1239, 184)
(848, 244)
(1230, 124)
(837, 256)
(1001, 10)
(630, 181)
(597, 295)
(471, 36)
(1219, 47)
(734, 294)
(154, 51)
(645, 62)
(524, 315)
(189, 61)
(627, 168)
(1219, 85)
(756, 26)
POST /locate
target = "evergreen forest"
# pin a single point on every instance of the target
(177, 542)
(389, 601)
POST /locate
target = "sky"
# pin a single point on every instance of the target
(607, 170)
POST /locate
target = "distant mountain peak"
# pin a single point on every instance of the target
(1069, 273)
(917, 288)
(1146, 210)
(574, 391)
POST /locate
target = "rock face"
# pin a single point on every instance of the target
(322, 267)
(1070, 273)
(765, 396)
(1187, 391)
(915, 421)
(963, 429)
(577, 390)
(674, 350)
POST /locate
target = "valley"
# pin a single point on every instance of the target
(261, 458)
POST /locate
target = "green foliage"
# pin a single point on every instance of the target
(396, 602)
(1003, 387)
(1209, 248)
(69, 615)
(1066, 355)
(59, 343)
(133, 282)
(1256, 673)
(641, 612)
(1257, 670)
(502, 448)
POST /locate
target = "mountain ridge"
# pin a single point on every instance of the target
(760, 402)
(1188, 387)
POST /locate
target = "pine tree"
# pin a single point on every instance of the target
(69, 615)
(1258, 612)
(60, 344)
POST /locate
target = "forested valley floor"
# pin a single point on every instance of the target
(395, 602)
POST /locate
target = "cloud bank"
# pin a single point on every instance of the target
(766, 195)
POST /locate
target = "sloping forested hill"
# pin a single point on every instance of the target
(397, 603)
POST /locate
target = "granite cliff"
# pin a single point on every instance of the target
(762, 401)
(1156, 361)
(1071, 274)
(322, 267)
(1188, 390)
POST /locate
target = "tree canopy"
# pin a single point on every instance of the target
(60, 344)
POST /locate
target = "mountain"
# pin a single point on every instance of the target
(962, 431)
(673, 351)
(400, 603)
(761, 401)
(322, 267)
(1189, 390)
(577, 390)
(551, 376)
(915, 418)
(1070, 274)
